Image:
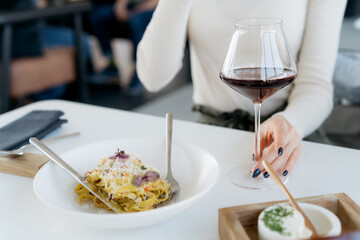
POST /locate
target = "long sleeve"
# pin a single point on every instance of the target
(313, 29)
(161, 50)
(311, 99)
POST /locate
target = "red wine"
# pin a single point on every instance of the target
(248, 81)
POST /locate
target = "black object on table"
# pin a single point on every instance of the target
(37, 123)
(8, 19)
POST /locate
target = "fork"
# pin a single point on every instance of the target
(174, 185)
(20, 151)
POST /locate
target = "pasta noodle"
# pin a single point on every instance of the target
(126, 182)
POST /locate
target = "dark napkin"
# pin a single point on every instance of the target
(34, 124)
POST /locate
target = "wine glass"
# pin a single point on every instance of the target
(258, 63)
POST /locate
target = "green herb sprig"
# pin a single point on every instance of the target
(273, 219)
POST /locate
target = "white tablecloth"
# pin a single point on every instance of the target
(321, 169)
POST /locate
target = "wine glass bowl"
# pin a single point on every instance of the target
(250, 83)
(258, 63)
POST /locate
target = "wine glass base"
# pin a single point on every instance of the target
(240, 176)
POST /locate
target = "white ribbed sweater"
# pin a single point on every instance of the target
(312, 29)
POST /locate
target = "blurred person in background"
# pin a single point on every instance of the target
(121, 19)
(31, 39)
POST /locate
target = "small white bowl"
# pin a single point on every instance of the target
(326, 223)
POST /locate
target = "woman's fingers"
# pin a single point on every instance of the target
(292, 160)
(279, 141)
(270, 154)
(275, 129)
(276, 158)
(288, 134)
(281, 160)
(287, 160)
(282, 131)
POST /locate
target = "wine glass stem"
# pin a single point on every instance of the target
(257, 107)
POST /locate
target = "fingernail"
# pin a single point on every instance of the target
(266, 175)
(253, 156)
(285, 173)
(280, 151)
(256, 173)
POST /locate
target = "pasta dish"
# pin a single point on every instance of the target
(129, 184)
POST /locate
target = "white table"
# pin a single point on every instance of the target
(321, 169)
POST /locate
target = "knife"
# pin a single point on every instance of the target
(68, 169)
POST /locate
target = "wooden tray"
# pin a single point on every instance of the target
(240, 222)
(27, 165)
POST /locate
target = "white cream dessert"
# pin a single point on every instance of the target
(282, 222)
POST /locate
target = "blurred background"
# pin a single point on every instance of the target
(84, 51)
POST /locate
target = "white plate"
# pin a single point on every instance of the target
(194, 168)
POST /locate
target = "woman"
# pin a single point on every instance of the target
(312, 28)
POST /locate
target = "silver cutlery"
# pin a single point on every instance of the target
(68, 169)
(174, 185)
(20, 151)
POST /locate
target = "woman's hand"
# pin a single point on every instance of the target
(147, 5)
(42, 3)
(280, 145)
(121, 11)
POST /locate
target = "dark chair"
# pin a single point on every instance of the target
(29, 75)
(35, 74)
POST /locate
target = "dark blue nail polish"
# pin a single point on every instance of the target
(285, 173)
(256, 173)
(266, 175)
(253, 156)
(280, 151)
